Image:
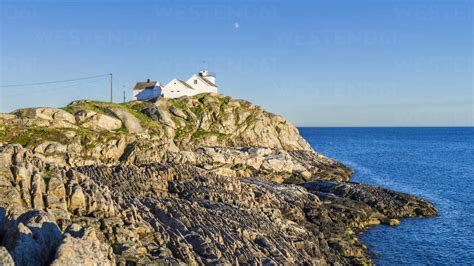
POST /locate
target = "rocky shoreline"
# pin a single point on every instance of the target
(195, 180)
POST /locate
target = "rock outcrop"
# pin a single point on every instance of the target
(218, 120)
(32, 238)
(5, 257)
(196, 180)
(80, 246)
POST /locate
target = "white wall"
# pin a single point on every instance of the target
(175, 89)
(211, 79)
(135, 93)
(199, 85)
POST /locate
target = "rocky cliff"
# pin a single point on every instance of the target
(195, 180)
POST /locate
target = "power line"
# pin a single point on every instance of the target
(51, 82)
(50, 89)
(42, 87)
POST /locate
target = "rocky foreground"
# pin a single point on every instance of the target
(196, 180)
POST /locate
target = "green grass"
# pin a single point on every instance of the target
(102, 108)
(235, 111)
(21, 112)
(183, 132)
(34, 136)
(3, 134)
(198, 111)
(145, 121)
(175, 120)
(178, 104)
(251, 119)
(202, 133)
(89, 105)
(47, 174)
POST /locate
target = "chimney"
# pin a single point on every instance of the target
(203, 73)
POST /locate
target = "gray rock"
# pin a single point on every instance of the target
(223, 121)
(80, 246)
(389, 203)
(5, 257)
(51, 114)
(32, 238)
(97, 121)
(130, 122)
(214, 181)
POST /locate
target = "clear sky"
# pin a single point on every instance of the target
(337, 63)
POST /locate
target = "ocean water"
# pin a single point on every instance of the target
(436, 164)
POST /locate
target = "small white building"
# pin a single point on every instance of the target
(202, 82)
(177, 88)
(147, 90)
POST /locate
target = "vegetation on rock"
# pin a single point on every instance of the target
(197, 180)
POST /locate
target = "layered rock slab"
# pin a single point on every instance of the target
(195, 180)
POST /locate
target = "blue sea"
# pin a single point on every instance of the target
(436, 164)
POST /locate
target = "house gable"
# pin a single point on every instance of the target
(201, 84)
(177, 88)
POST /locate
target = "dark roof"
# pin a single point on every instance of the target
(206, 81)
(145, 85)
(184, 84)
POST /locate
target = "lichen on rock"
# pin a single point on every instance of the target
(195, 180)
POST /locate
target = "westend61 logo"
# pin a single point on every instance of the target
(259, 64)
(193, 11)
(107, 38)
(331, 37)
(437, 10)
(24, 12)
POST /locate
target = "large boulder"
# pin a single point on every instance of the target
(96, 121)
(32, 238)
(56, 194)
(80, 246)
(45, 116)
(51, 147)
(9, 195)
(5, 257)
(130, 122)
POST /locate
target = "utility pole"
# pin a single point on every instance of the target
(111, 89)
(123, 96)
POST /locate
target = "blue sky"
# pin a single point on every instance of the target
(332, 63)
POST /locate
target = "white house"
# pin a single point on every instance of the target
(177, 88)
(147, 90)
(202, 82)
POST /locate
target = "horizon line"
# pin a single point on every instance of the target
(384, 126)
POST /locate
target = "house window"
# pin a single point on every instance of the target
(195, 81)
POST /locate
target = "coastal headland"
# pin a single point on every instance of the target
(195, 180)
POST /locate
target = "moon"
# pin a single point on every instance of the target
(236, 25)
